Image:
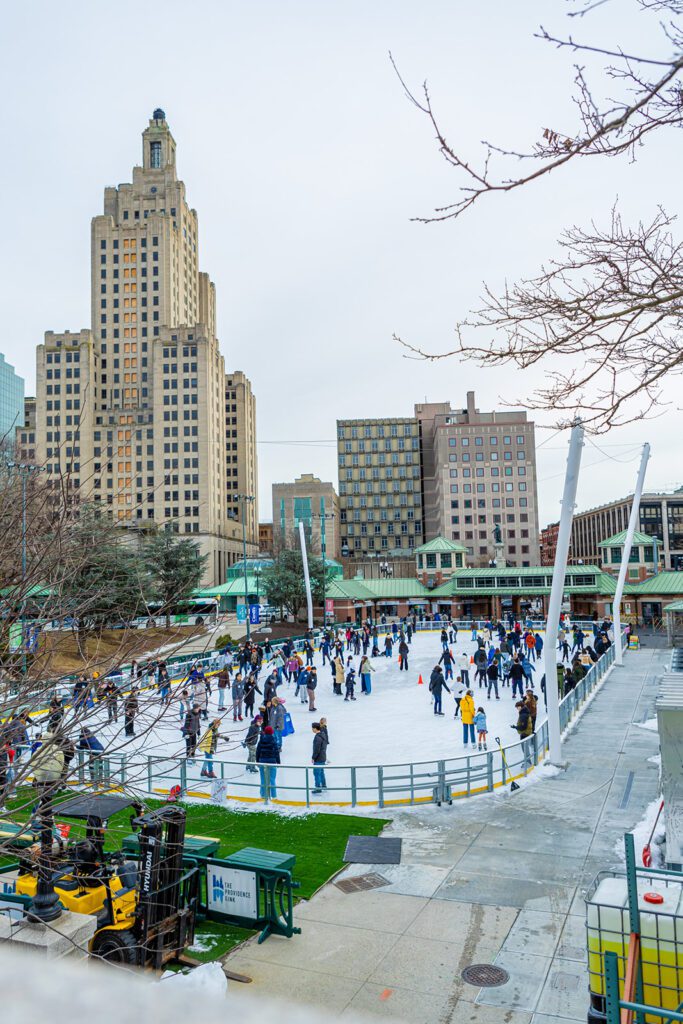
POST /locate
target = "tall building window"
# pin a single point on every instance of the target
(155, 154)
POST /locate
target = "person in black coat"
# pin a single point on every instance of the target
(250, 691)
(267, 756)
(270, 688)
(192, 726)
(436, 685)
(319, 757)
(492, 674)
(251, 742)
(403, 651)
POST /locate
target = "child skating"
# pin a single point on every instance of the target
(480, 726)
(350, 684)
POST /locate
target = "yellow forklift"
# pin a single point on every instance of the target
(145, 907)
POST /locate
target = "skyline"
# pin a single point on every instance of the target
(292, 248)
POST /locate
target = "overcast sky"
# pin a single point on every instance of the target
(305, 163)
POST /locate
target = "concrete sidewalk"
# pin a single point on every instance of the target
(498, 879)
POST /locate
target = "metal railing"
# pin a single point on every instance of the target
(439, 781)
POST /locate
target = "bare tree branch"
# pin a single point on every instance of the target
(611, 303)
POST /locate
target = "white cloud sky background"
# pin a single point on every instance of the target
(305, 163)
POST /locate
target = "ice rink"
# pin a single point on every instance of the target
(394, 724)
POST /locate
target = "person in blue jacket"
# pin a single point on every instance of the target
(89, 741)
(267, 757)
(539, 646)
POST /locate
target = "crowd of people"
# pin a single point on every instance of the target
(253, 677)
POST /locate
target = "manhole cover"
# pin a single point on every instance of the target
(485, 975)
(361, 883)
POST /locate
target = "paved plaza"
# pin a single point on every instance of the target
(497, 879)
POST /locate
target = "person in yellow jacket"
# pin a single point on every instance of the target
(467, 712)
(208, 744)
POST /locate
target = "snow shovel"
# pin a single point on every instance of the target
(513, 784)
(647, 852)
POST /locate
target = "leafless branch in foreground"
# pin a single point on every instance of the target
(610, 304)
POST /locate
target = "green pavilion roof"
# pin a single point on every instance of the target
(619, 539)
(663, 583)
(523, 580)
(439, 544)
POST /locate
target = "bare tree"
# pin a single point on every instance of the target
(51, 584)
(611, 303)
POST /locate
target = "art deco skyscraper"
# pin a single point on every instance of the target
(134, 409)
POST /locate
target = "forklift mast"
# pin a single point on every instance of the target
(161, 835)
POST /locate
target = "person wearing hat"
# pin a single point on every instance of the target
(268, 756)
(350, 684)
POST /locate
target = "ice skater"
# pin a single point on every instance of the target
(350, 684)
(480, 726)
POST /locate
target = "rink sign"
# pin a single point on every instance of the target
(231, 891)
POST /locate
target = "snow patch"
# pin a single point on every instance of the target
(641, 835)
(651, 725)
(206, 980)
(202, 945)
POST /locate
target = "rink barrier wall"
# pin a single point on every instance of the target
(438, 781)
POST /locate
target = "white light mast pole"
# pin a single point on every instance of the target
(553, 618)
(304, 558)
(626, 553)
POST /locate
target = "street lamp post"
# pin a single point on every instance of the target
(243, 499)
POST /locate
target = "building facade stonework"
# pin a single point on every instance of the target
(306, 500)
(241, 460)
(132, 411)
(660, 517)
(479, 473)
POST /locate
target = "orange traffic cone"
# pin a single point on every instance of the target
(420, 681)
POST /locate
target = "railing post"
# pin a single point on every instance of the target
(502, 765)
(150, 775)
(123, 769)
(308, 789)
(354, 793)
(611, 988)
(442, 780)
(489, 771)
(183, 776)
(380, 786)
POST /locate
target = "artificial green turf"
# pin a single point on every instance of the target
(317, 840)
